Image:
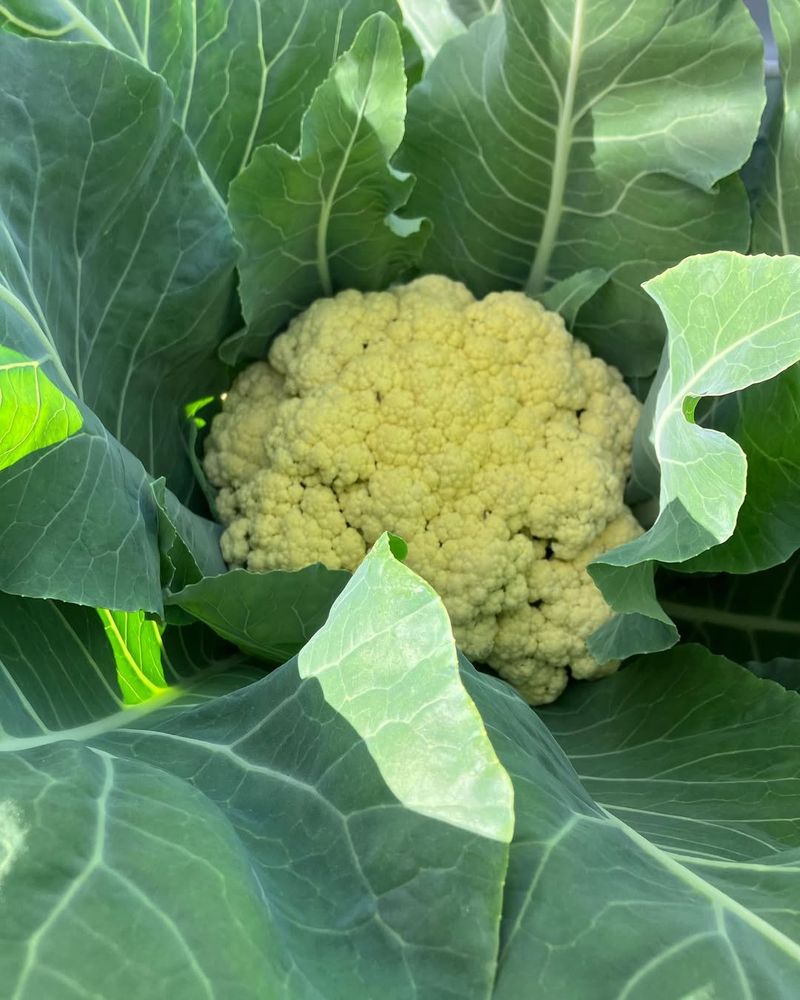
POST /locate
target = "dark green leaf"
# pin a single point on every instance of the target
(271, 615)
(748, 617)
(782, 670)
(189, 544)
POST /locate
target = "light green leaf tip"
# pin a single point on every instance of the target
(398, 686)
(34, 414)
(567, 296)
(138, 649)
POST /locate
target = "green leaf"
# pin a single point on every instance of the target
(782, 670)
(242, 74)
(554, 138)
(680, 838)
(269, 615)
(322, 221)
(189, 544)
(732, 322)
(762, 419)
(750, 617)
(34, 413)
(568, 296)
(338, 829)
(136, 644)
(133, 330)
(776, 221)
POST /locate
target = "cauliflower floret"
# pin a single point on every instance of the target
(482, 432)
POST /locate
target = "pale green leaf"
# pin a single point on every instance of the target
(763, 421)
(569, 295)
(360, 684)
(732, 321)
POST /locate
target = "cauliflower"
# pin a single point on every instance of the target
(479, 431)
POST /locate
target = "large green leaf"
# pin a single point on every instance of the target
(34, 413)
(732, 321)
(323, 220)
(114, 268)
(552, 138)
(776, 225)
(124, 268)
(338, 829)
(672, 867)
(242, 71)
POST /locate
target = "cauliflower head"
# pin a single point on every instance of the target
(481, 432)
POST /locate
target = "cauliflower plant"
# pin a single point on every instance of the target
(479, 431)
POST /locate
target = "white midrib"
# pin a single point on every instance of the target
(563, 147)
(90, 730)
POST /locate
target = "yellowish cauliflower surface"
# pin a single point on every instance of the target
(481, 432)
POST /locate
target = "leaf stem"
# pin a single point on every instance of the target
(730, 619)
